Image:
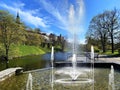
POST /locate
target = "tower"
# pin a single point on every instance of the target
(18, 18)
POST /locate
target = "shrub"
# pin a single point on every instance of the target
(96, 50)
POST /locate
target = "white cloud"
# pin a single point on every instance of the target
(61, 20)
(18, 4)
(26, 16)
(34, 20)
(34, 12)
(62, 15)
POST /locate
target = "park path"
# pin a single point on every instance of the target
(109, 59)
(101, 58)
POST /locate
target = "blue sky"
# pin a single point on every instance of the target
(56, 16)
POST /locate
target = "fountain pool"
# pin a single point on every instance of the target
(68, 75)
(41, 81)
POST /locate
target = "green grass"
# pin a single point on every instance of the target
(109, 53)
(30, 50)
(24, 50)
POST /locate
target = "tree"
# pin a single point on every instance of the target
(37, 30)
(118, 38)
(98, 31)
(52, 38)
(105, 26)
(33, 38)
(9, 32)
(113, 24)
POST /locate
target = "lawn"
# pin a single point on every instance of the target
(109, 53)
(24, 50)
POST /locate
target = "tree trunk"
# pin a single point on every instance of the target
(103, 47)
(112, 43)
(6, 57)
(103, 44)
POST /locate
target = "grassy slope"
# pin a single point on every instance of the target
(30, 50)
(24, 50)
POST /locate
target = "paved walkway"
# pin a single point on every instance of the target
(7, 73)
(101, 58)
(109, 59)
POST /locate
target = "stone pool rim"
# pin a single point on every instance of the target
(84, 64)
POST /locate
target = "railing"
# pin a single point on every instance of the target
(88, 55)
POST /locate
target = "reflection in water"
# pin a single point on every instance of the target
(57, 56)
(29, 62)
(36, 61)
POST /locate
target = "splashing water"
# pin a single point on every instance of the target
(52, 54)
(111, 79)
(75, 23)
(29, 82)
(52, 62)
(74, 73)
(76, 16)
(92, 52)
(74, 26)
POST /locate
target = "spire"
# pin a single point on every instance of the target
(18, 18)
(18, 15)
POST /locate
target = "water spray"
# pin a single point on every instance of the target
(29, 82)
(52, 65)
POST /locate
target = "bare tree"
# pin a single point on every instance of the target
(98, 31)
(104, 26)
(112, 24)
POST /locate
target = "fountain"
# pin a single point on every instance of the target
(92, 53)
(29, 82)
(73, 74)
(111, 79)
(52, 65)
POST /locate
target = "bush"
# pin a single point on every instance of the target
(96, 50)
(119, 50)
